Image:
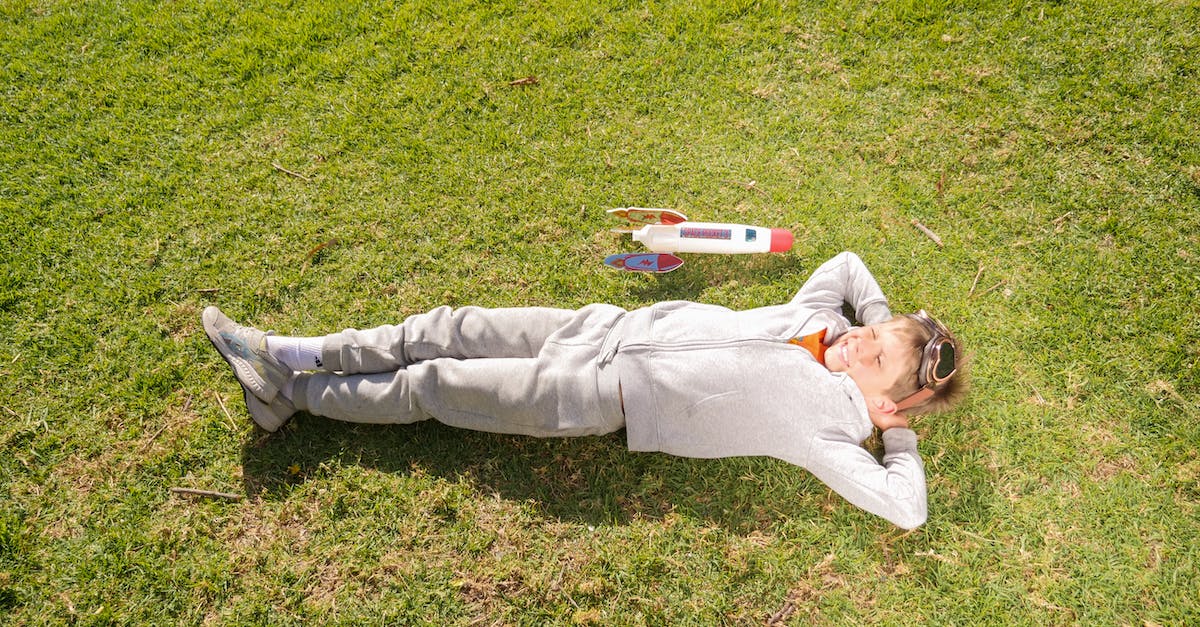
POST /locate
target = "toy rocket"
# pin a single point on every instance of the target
(664, 231)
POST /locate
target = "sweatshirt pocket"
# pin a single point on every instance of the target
(717, 405)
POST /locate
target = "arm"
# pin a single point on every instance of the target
(845, 279)
(894, 490)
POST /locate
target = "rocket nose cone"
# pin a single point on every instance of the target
(781, 240)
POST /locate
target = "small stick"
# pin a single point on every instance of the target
(991, 288)
(930, 234)
(287, 171)
(208, 493)
(975, 535)
(1058, 222)
(312, 253)
(150, 441)
(209, 290)
(976, 281)
(226, 410)
(783, 614)
(1041, 399)
(752, 186)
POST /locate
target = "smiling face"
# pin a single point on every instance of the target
(877, 357)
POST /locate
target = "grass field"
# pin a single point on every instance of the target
(309, 166)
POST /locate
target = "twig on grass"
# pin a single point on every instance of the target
(1041, 400)
(226, 410)
(976, 281)
(145, 445)
(998, 284)
(313, 253)
(1060, 221)
(207, 493)
(209, 290)
(804, 594)
(522, 82)
(976, 535)
(287, 171)
(930, 234)
(752, 186)
(783, 614)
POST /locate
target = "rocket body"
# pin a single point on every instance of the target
(713, 237)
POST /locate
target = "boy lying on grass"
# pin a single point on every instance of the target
(795, 381)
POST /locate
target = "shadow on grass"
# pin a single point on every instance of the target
(700, 272)
(594, 480)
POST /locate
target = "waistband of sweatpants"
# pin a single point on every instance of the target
(608, 378)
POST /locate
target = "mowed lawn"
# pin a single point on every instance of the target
(311, 166)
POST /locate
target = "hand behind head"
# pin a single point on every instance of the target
(884, 415)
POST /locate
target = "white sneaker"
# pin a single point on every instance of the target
(269, 416)
(245, 349)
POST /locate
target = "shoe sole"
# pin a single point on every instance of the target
(262, 414)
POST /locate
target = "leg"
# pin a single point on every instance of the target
(565, 390)
(497, 395)
(465, 333)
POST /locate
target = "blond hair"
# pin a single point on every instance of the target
(949, 393)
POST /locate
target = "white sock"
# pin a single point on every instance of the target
(297, 353)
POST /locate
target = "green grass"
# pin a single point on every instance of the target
(1051, 145)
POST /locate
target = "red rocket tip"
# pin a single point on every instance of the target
(781, 240)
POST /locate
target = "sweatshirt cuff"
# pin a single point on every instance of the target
(875, 313)
(899, 439)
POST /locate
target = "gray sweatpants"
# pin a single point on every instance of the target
(530, 371)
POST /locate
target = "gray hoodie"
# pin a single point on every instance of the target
(706, 381)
